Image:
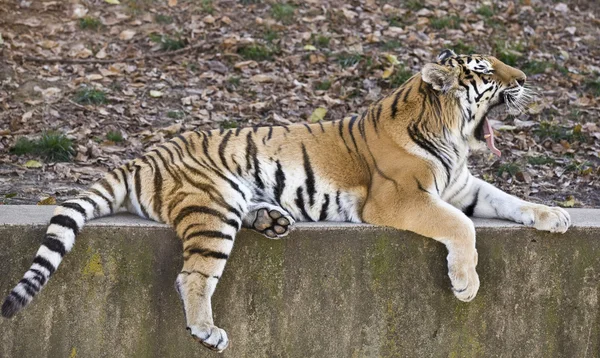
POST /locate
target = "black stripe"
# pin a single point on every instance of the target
(394, 104)
(44, 263)
(106, 185)
(209, 233)
(350, 126)
(324, 208)
(75, 207)
(377, 116)
(310, 177)
(307, 128)
(124, 180)
(65, 221)
(158, 188)
(208, 253)
(252, 152)
(31, 289)
(237, 131)
(197, 209)
(54, 244)
(138, 190)
(222, 147)
(98, 193)
(92, 202)
(300, 204)
(340, 130)
(39, 276)
(321, 125)
(20, 299)
(270, 133)
(280, 183)
(421, 188)
(470, 209)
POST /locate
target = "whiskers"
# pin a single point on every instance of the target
(517, 98)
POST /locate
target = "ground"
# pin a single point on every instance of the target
(253, 62)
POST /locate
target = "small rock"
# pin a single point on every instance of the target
(561, 7)
(571, 30)
(217, 66)
(209, 19)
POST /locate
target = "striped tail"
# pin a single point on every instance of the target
(103, 198)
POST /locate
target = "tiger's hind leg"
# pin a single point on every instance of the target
(270, 220)
(208, 231)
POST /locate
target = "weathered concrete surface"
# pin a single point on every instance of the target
(325, 291)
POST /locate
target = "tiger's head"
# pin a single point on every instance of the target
(479, 83)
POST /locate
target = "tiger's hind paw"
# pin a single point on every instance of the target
(272, 223)
(212, 337)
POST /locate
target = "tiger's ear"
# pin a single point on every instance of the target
(445, 54)
(441, 78)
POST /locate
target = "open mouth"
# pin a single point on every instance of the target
(485, 133)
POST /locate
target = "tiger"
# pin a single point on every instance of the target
(402, 164)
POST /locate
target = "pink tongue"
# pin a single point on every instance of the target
(488, 133)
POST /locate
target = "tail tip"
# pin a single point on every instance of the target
(10, 307)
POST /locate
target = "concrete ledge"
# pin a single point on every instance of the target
(333, 290)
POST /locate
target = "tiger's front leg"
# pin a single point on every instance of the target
(425, 213)
(481, 199)
(270, 220)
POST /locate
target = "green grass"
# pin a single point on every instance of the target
(451, 22)
(114, 136)
(390, 45)
(510, 54)
(229, 124)
(163, 19)
(414, 5)
(89, 23)
(270, 35)
(395, 21)
(233, 80)
(349, 59)
(485, 11)
(535, 67)
(461, 48)
(323, 85)
(256, 52)
(579, 167)
(207, 7)
(167, 42)
(542, 160)
(90, 96)
(510, 168)
(592, 85)
(283, 12)
(322, 41)
(250, 2)
(175, 114)
(557, 132)
(53, 146)
(400, 75)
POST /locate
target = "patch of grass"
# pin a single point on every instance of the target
(233, 80)
(414, 5)
(510, 54)
(463, 49)
(557, 132)
(229, 124)
(90, 96)
(270, 35)
(535, 67)
(485, 11)
(579, 167)
(53, 146)
(167, 42)
(401, 75)
(452, 22)
(207, 7)
(510, 168)
(175, 114)
(163, 19)
(542, 160)
(250, 2)
(592, 85)
(562, 69)
(283, 12)
(323, 85)
(395, 21)
(349, 59)
(322, 41)
(89, 23)
(391, 45)
(256, 52)
(114, 136)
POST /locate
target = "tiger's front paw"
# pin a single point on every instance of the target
(462, 273)
(546, 218)
(210, 336)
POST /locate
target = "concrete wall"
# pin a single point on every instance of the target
(325, 291)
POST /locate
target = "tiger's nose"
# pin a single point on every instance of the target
(521, 80)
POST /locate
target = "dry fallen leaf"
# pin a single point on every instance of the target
(112, 2)
(126, 35)
(32, 164)
(172, 3)
(318, 115)
(387, 72)
(156, 94)
(47, 201)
